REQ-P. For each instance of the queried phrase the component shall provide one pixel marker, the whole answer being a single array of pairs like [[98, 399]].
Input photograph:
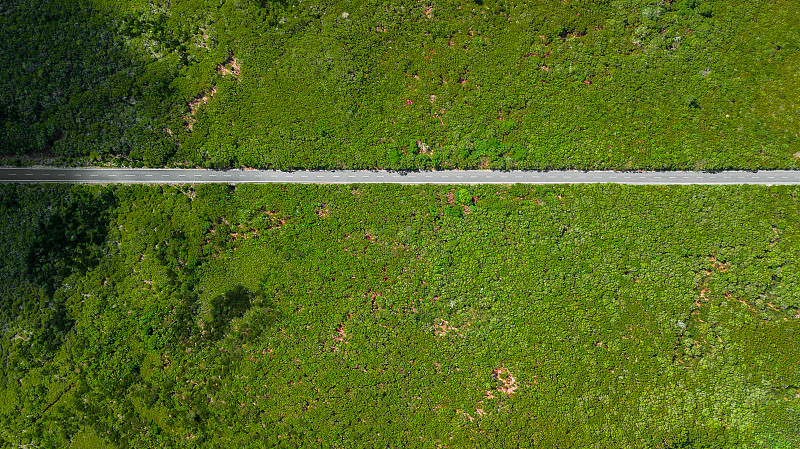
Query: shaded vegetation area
[[57, 231], [619, 84], [75, 84], [428, 316]]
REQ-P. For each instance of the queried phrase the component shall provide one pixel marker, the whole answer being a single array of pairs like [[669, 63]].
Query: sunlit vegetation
[[389, 316], [401, 84]]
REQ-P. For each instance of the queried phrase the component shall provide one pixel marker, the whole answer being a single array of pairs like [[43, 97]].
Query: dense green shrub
[[402, 84], [377, 315]]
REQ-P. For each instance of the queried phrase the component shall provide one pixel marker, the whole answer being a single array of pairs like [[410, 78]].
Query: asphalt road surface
[[187, 176]]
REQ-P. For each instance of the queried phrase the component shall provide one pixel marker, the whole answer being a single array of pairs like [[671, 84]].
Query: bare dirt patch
[[194, 105], [235, 233], [716, 267], [203, 39], [503, 375], [423, 147], [444, 327], [230, 67], [275, 222], [374, 296], [719, 266], [340, 334], [466, 415]]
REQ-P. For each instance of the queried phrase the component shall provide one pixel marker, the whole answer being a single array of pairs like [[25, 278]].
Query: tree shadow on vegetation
[[70, 226], [71, 239], [235, 303], [72, 86]]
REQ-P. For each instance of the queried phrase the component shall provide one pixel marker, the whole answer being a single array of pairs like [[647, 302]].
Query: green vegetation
[[378, 316], [400, 84]]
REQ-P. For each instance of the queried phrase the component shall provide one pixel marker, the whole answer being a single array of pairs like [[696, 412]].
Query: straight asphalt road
[[200, 176]]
